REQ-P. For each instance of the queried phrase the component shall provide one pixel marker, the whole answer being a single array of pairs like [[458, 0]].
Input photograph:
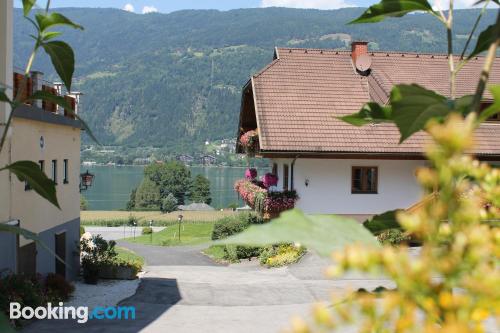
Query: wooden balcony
[[34, 83]]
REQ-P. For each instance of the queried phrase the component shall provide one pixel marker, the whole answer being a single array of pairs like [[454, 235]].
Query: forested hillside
[[171, 80]]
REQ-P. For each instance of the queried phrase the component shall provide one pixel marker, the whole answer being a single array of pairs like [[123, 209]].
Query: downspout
[[292, 167]]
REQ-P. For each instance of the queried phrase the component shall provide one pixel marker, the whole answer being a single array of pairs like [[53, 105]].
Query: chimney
[[37, 78], [358, 49]]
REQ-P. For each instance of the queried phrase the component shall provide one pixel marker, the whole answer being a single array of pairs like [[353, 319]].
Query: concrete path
[[170, 256], [114, 233]]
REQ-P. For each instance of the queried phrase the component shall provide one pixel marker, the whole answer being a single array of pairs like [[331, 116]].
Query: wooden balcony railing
[[34, 83]]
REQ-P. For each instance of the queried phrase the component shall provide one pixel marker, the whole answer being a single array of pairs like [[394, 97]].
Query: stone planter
[[117, 273]]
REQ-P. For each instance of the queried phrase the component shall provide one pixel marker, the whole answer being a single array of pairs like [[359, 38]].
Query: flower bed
[[267, 203]]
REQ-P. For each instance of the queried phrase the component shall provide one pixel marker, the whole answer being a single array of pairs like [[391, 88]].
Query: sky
[[167, 6]]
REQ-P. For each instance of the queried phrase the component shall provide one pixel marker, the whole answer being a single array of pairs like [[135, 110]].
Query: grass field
[[116, 218], [129, 255], [191, 233]]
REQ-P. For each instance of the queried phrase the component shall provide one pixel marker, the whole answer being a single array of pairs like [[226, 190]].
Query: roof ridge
[[372, 52]]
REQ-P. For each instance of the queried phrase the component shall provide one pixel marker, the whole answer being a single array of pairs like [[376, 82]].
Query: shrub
[[232, 225], [147, 231], [168, 204], [94, 253], [380, 223], [281, 255], [33, 291], [228, 226], [84, 204], [82, 231], [57, 288], [132, 220], [393, 237]]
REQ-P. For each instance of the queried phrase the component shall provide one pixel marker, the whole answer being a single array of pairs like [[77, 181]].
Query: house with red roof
[[293, 105]]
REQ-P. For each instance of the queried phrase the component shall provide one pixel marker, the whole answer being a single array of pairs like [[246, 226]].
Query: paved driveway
[[184, 291]]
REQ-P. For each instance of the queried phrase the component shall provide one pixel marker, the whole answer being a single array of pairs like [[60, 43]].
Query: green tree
[[171, 177], [84, 204], [148, 195], [131, 200], [169, 204], [200, 190]]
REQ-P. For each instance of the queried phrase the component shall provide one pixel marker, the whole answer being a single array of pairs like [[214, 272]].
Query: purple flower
[[269, 180], [251, 174]]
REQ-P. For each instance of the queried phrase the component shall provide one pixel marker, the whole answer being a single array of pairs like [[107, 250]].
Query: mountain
[[174, 80]]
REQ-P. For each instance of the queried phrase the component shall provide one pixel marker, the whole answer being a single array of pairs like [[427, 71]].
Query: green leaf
[[493, 108], [48, 35], [394, 8], [46, 96], [46, 21], [63, 59], [413, 106], [381, 222], [370, 113], [486, 38], [87, 129], [3, 96], [14, 229], [322, 233], [30, 172], [27, 5]]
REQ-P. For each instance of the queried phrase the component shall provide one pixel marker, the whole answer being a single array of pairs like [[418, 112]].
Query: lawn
[[216, 252], [117, 218], [128, 255], [191, 233]]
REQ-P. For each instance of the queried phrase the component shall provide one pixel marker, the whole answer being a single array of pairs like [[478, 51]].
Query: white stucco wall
[[60, 142], [5, 79], [329, 189]]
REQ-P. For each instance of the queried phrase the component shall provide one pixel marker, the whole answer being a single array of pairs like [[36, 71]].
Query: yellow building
[[49, 136]]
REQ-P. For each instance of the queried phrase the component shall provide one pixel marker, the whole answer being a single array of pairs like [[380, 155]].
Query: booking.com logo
[[80, 313]]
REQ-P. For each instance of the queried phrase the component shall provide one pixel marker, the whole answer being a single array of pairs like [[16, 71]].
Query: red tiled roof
[[299, 95]]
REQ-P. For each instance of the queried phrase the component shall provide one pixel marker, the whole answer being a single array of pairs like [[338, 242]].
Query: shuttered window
[[364, 180]]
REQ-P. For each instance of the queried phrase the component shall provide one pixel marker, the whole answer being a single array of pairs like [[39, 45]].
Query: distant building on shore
[[185, 158]]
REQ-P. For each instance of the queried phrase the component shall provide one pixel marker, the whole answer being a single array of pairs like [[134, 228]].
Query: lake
[[113, 184]]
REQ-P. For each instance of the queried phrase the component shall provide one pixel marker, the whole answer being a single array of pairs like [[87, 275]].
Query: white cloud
[[129, 8], [149, 9], [318, 4]]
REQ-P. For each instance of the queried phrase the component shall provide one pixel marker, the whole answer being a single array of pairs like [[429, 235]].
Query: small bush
[[231, 225], [132, 220], [147, 231], [82, 231], [95, 253], [228, 226], [281, 255], [33, 291], [234, 253], [57, 288], [382, 222], [393, 237]]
